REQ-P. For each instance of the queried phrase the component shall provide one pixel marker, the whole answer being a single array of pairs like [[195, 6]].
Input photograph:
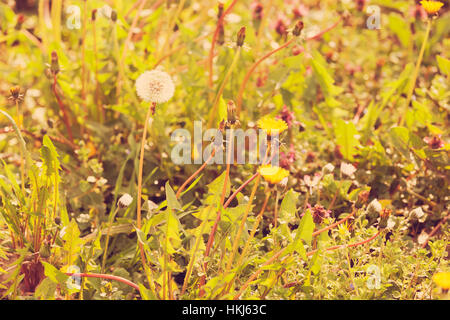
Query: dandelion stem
[[108, 233], [213, 111], [267, 55], [105, 276], [62, 108], [141, 167], [222, 199], [280, 252], [213, 42], [412, 84], [196, 173]]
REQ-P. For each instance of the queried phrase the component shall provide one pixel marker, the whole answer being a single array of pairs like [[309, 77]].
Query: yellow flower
[[272, 126], [442, 279], [431, 7], [273, 174]]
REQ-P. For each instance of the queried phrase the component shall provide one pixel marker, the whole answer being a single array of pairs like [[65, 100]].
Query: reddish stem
[[195, 173], [279, 253], [105, 276], [214, 39], [63, 109], [252, 69]]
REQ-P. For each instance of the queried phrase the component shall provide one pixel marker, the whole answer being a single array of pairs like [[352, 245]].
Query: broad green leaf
[[288, 206], [54, 274], [346, 138], [172, 201], [46, 289], [444, 65], [306, 227], [215, 190], [72, 241], [400, 27]]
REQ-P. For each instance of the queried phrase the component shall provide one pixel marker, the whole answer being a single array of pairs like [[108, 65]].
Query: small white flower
[[125, 200], [91, 179], [374, 206], [347, 169], [328, 168], [155, 86]]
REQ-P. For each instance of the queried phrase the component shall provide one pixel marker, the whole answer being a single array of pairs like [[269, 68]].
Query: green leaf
[[346, 138], [172, 201], [325, 80], [400, 27], [223, 113], [444, 65], [215, 190], [173, 240], [146, 294], [46, 289], [54, 274], [72, 241], [306, 227], [288, 206]]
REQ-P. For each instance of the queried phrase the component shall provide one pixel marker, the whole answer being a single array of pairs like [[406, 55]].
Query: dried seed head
[[155, 86], [94, 14], [54, 66], [240, 37], [231, 112], [298, 28], [15, 92], [125, 201], [114, 15]]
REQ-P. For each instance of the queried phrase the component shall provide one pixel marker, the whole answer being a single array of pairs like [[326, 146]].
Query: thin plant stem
[[108, 234], [219, 210], [244, 218], [267, 55], [416, 73], [280, 252], [141, 167], [105, 276], [213, 112], [83, 62], [121, 56], [196, 173], [100, 109], [214, 40], [22, 169], [62, 108], [254, 229]]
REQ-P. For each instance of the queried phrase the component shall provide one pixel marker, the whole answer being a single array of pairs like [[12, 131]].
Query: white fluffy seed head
[[125, 200], [155, 86], [347, 169]]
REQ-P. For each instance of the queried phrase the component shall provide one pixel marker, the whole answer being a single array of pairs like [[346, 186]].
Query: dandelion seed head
[[125, 200], [347, 169], [155, 86]]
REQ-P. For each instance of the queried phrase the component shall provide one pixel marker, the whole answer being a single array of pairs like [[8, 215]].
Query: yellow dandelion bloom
[[442, 279], [431, 7], [273, 174], [272, 126]]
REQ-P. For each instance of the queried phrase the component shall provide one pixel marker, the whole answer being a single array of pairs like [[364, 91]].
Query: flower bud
[[114, 15], [298, 28], [231, 112], [94, 14], [54, 66], [240, 37]]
